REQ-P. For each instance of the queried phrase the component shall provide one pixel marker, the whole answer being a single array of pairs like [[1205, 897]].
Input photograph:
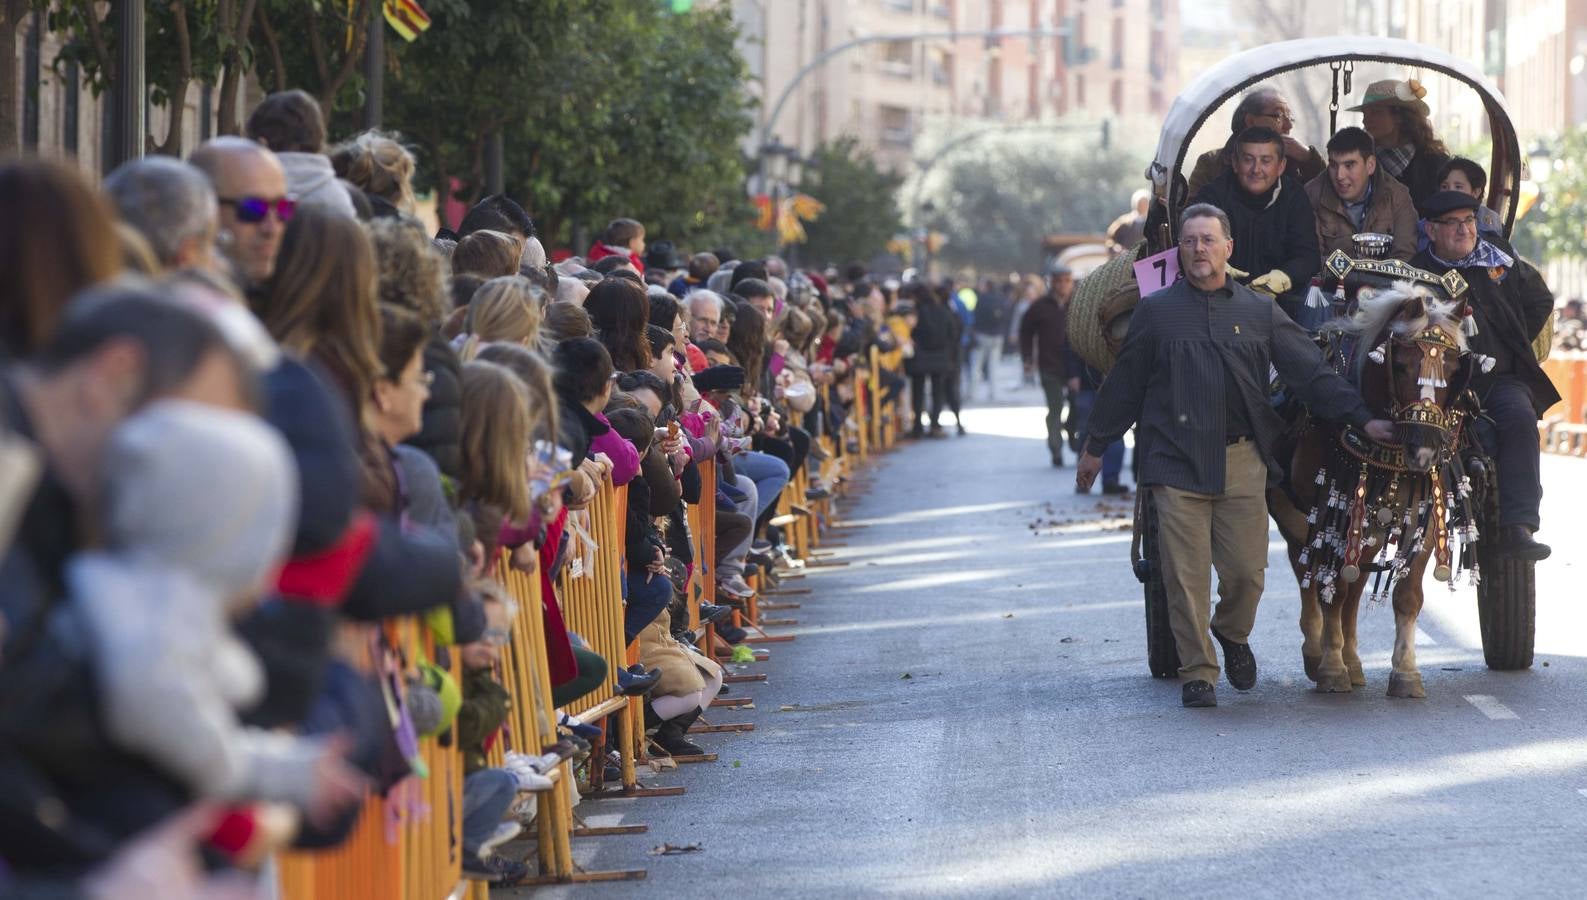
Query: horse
[[1353, 509]]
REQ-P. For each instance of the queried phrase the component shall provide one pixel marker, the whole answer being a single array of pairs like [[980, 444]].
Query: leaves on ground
[[676, 849]]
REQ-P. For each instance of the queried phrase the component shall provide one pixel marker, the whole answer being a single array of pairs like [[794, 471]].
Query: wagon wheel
[[1162, 656], [1506, 593]]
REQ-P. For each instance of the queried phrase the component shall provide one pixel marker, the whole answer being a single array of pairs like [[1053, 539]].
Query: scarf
[[1485, 255], [1396, 159]]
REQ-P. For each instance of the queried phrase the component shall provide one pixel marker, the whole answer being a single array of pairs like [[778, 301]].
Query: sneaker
[[732, 634], [735, 587], [587, 732], [504, 832], [1198, 694], [494, 870], [1239, 663]]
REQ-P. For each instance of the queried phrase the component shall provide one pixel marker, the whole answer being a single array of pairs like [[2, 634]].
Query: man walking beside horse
[[1194, 373]]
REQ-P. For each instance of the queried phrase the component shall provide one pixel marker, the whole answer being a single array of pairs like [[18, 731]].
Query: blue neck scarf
[[1485, 255]]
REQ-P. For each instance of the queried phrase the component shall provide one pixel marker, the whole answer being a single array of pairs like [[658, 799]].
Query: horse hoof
[[1313, 665], [1333, 683], [1358, 678], [1406, 686]]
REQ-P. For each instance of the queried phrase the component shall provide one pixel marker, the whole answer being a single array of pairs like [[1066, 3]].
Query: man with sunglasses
[[1510, 304], [251, 187], [1260, 107]]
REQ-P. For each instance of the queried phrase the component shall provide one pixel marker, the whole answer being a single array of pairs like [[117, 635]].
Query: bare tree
[[1287, 20]]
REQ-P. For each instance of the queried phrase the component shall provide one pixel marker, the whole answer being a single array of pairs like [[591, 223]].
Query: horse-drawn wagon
[[1362, 519]]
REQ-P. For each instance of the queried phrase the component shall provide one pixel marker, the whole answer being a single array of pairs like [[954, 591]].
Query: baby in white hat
[[200, 505]]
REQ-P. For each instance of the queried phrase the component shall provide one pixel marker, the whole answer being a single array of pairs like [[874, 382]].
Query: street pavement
[[967, 712]]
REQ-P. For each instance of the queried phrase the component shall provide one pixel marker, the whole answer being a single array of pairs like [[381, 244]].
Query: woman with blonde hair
[[378, 164], [495, 440], [488, 254], [504, 310]]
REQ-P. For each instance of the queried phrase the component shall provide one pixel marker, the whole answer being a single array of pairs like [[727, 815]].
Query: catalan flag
[[405, 17]]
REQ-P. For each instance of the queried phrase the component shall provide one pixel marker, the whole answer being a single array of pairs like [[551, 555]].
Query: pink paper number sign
[[1157, 271]]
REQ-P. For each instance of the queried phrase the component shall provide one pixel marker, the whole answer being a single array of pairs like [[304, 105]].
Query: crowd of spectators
[[251, 409]]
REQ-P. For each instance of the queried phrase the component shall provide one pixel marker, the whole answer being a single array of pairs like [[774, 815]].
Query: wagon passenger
[[1275, 231], [1261, 107], [1510, 304], [1356, 195], [1194, 372]]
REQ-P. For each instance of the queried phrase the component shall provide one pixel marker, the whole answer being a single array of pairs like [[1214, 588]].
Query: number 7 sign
[[1157, 271]]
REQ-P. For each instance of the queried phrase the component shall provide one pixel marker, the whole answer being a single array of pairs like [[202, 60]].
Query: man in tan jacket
[[1355, 196]]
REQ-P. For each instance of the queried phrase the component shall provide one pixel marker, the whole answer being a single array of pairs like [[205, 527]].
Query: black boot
[[672, 736]]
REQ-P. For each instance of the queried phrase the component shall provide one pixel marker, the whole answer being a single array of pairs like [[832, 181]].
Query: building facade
[[1096, 59]]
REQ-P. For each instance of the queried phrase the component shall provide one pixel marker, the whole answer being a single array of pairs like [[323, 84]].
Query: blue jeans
[[487, 795], [769, 473], [1112, 458], [1512, 439]]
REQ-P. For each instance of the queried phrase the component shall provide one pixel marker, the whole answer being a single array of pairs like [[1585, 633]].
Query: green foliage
[[637, 112], [1557, 227], [861, 200], [317, 45], [1001, 196]]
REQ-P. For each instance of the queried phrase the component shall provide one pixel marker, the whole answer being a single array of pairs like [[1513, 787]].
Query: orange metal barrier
[[1564, 425], [406, 846]]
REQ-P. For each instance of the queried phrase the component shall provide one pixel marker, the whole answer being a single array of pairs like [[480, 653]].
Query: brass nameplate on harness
[[1371, 452], [1340, 265]]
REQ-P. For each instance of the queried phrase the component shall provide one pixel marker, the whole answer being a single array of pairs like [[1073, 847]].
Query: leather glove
[[1274, 283]]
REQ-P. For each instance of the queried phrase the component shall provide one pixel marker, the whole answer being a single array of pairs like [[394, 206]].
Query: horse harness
[[1373, 512]]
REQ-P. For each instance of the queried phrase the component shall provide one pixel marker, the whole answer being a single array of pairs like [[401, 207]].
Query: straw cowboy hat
[[1407, 94]]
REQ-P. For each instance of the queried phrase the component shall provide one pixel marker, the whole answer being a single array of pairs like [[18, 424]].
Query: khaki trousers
[[1226, 532]]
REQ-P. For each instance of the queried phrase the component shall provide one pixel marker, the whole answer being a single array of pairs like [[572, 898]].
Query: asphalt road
[[967, 712]]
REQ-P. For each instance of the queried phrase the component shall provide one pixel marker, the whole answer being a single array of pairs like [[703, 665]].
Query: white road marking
[[1491, 707], [1423, 639]]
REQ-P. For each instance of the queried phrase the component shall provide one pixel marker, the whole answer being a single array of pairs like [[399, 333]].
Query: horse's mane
[[1375, 318]]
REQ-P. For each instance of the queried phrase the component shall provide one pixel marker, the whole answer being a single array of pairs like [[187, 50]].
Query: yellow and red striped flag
[[405, 17]]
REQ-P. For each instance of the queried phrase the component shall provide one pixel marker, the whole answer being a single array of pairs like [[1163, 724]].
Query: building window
[[898, 58], [1118, 44], [897, 125], [1080, 91], [1117, 97], [31, 51], [899, 5], [71, 100]]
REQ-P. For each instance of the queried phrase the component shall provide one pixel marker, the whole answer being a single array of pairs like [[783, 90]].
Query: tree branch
[[350, 61], [277, 64], [96, 40], [317, 49]]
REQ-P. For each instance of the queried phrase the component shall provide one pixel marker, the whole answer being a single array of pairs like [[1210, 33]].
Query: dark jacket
[[1270, 232], [935, 336], [1510, 312], [1044, 338], [1421, 175], [1170, 377], [991, 314], [442, 431], [576, 428]]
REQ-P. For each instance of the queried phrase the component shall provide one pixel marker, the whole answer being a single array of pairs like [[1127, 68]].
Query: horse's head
[[1415, 369]]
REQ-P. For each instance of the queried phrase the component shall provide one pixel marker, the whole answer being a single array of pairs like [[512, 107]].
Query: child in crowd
[[199, 508]]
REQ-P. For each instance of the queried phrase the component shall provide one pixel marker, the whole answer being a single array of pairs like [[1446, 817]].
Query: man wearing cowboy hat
[[1394, 113], [1509, 304]]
